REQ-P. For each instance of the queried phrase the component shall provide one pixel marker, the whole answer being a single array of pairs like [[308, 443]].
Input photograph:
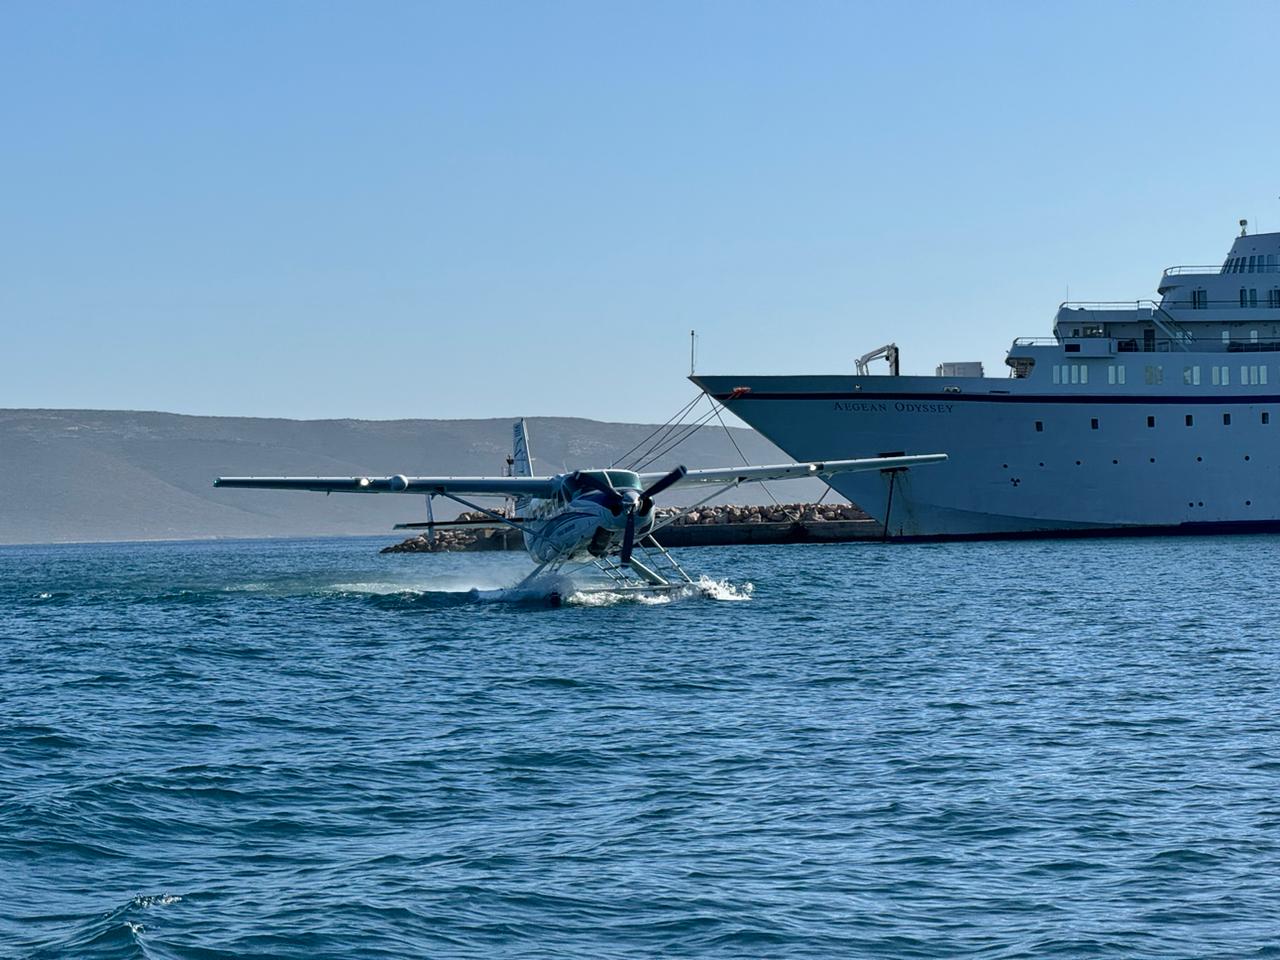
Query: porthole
[[1077, 463], [1042, 463], [1246, 456], [1151, 459], [1200, 504], [1115, 461], [1199, 459], [1248, 503]]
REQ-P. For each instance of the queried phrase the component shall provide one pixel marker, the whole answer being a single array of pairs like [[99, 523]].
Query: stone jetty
[[705, 526]]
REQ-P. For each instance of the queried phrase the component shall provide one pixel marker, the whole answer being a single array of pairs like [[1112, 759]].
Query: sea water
[[307, 749]]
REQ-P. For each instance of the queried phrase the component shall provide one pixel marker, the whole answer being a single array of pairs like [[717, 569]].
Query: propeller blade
[[614, 499], [675, 476], [628, 538]]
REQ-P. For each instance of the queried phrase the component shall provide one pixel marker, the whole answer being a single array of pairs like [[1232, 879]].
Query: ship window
[[1253, 297], [1093, 424], [1244, 296], [1199, 299], [1226, 419], [1251, 259], [1191, 376], [1075, 373], [1040, 425], [1271, 263], [1266, 417], [1273, 297], [1155, 374], [1057, 373], [1151, 421], [1190, 421], [1253, 336], [1253, 375], [1226, 334], [1221, 376]]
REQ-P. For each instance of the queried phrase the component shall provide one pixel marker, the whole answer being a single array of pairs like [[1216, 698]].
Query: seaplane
[[599, 518]]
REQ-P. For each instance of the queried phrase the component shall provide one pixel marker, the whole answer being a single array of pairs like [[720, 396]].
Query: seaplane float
[[575, 521]]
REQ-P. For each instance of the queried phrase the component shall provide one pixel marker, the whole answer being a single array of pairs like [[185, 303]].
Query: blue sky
[[426, 210]]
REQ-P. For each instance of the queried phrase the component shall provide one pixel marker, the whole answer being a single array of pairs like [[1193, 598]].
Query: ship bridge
[[1233, 307]]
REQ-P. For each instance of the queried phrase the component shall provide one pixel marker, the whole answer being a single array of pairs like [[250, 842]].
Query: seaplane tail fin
[[521, 459]]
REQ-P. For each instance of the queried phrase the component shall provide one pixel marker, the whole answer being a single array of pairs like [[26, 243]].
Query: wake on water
[[497, 586]]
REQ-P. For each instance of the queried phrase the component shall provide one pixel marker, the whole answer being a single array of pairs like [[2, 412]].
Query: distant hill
[[124, 475]]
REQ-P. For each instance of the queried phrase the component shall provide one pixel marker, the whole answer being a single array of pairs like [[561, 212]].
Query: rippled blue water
[[306, 749]]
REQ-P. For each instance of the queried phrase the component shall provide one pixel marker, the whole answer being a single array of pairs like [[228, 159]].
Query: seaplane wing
[[785, 471], [478, 486]]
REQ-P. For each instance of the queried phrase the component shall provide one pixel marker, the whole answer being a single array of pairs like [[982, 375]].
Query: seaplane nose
[[630, 501]]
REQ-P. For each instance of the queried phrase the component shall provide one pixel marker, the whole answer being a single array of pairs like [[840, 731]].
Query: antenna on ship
[[1244, 228], [693, 347]]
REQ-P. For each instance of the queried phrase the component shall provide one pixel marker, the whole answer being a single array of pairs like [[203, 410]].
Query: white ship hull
[[1099, 462]]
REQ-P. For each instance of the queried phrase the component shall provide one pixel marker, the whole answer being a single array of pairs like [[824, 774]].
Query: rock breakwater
[[778, 523]]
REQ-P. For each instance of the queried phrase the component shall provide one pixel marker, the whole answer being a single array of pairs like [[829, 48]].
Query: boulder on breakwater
[[704, 526]]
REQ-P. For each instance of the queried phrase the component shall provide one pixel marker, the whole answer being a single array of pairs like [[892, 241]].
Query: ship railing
[[1216, 268], [1164, 344]]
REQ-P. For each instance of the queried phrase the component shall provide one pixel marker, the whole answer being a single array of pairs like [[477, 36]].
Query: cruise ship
[[1150, 416]]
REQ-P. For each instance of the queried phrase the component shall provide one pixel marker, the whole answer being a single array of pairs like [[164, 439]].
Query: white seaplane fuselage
[[579, 522]]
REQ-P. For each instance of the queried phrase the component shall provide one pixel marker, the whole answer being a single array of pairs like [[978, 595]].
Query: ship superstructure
[[1145, 416]]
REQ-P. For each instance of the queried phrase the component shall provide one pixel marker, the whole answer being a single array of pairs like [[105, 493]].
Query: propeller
[[643, 504]]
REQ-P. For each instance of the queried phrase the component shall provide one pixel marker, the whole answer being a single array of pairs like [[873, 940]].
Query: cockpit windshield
[[582, 481]]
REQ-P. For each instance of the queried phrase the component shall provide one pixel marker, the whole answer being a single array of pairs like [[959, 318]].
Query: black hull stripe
[[1210, 528], [1092, 398]]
